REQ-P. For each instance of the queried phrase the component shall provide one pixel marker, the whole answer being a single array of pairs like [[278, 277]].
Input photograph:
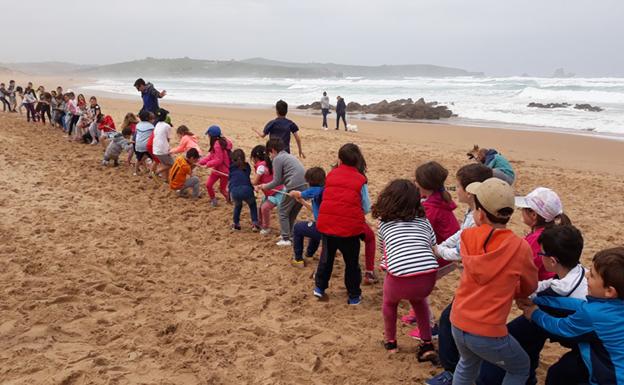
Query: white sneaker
[[265, 231], [284, 243]]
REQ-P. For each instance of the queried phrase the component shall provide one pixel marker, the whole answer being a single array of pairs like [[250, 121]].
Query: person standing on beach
[[150, 95], [341, 112], [281, 127], [325, 108], [3, 93]]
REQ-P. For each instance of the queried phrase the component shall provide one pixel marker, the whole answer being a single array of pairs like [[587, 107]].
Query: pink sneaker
[[415, 333], [409, 319]]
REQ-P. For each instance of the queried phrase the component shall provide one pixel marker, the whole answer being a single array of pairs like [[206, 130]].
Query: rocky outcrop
[[587, 107], [548, 105], [584, 107], [401, 109]]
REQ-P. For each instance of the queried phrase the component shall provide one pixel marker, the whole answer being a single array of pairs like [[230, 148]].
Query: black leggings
[[5, 104], [43, 110], [350, 249], [72, 123], [30, 112]]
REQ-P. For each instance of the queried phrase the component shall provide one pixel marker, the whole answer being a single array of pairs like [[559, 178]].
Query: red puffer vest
[[341, 212]]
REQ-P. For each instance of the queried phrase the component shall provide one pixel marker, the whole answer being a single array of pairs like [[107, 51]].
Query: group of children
[[420, 241]]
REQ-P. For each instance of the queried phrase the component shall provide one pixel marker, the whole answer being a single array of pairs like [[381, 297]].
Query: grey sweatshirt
[[287, 171], [325, 102], [116, 146]]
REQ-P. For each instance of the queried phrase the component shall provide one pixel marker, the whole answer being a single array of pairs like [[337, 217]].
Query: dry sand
[[107, 278]]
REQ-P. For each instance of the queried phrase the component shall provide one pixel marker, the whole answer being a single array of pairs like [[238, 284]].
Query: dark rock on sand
[[587, 107]]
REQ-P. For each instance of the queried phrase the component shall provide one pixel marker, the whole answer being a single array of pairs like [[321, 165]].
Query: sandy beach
[[108, 278]]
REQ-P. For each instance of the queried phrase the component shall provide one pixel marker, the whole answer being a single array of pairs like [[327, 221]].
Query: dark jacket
[[341, 107]]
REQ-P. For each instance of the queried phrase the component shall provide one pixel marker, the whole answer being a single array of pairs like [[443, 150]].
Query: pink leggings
[[369, 248], [223, 184], [415, 289], [265, 214]]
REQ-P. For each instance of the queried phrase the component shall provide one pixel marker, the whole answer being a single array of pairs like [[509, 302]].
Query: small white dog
[[352, 128]]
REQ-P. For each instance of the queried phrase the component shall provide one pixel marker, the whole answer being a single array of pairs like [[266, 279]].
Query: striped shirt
[[407, 247]]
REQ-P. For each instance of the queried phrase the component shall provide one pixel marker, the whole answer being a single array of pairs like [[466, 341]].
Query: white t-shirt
[[162, 134]]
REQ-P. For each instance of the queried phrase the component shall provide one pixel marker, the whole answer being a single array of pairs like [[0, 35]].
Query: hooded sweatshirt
[[218, 158], [498, 267], [186, 143], [150, 96], [116, 146], [440, 215]]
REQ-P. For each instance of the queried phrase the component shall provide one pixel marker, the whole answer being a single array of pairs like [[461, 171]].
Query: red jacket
[[341, 212], [440, 215]]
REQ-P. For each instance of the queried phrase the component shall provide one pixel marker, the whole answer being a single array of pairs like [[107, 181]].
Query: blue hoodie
[[598, 327]]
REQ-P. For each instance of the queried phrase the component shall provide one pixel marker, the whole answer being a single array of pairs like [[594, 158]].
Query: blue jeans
[[245, 194], [325, 112], [301, 231], [504, 352]]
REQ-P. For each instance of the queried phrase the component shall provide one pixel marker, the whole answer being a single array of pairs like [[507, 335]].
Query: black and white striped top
[[407, 247]]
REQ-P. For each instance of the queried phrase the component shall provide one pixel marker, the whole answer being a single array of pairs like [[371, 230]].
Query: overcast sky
[[499, 37]]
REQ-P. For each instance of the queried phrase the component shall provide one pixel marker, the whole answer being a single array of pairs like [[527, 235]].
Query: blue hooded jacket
[[598, 327], [494, 160]]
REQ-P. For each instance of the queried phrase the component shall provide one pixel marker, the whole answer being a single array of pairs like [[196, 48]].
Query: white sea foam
[[501, 99]]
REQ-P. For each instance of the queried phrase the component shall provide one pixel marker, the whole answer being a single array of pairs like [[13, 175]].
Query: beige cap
[[494, 195]]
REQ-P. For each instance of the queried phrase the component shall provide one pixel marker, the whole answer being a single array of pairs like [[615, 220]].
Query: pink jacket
[[186, 143], [440, 214], [536, 248], [218, 158]]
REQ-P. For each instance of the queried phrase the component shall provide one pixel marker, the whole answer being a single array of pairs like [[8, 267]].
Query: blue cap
[[214, 131]]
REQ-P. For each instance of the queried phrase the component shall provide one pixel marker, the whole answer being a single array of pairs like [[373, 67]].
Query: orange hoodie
[[492, 278]]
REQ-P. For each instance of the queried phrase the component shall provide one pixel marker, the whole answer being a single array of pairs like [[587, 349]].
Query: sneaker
[[415, 333], [265, 231], [444, 378], [104, 163], [297, 263], [319, 293], [284, 243], [370, 278], [255, 228], [355, 300], [213, 202], [236, 227], [181, 193], [391, 346], [426, 352]]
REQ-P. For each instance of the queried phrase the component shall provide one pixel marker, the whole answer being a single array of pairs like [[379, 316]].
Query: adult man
[[150, 95], [325, 108], [341, 112]]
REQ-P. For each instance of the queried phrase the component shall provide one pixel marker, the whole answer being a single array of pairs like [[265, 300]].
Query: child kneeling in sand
[[181, 174], [119, 142], [407, 240]]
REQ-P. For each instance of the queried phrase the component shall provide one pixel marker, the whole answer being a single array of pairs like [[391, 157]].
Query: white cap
[[544, 201]]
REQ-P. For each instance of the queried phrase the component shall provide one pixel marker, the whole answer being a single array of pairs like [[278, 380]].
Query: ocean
[[496, 101]]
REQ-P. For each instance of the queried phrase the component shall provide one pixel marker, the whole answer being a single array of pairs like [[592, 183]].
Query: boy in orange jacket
[[498, 268]]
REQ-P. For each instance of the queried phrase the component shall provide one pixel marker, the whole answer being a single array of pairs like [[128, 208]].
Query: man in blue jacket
[[150, 95], [597, 325]]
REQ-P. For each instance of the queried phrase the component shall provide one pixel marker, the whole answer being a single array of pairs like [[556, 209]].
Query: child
[[144, 130], [281, 127], [162, 136], [597, 325], [541, 208], [315, 177], [289, 172], [29, 101], [218, 158], [73, 114], [188, 140], [498, 267], [438, 204], [439, 207], [43, 107], [449, 251], [264, 174], [3, 94], [241, 189], [341, 221], [12, 96], [497, 162], [119, 143], [181, 174], [407, 241], [561, 247], [130, 120]]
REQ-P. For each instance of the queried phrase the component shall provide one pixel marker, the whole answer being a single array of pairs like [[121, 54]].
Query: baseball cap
[[494, 195], [214, 131], [544, 201]]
